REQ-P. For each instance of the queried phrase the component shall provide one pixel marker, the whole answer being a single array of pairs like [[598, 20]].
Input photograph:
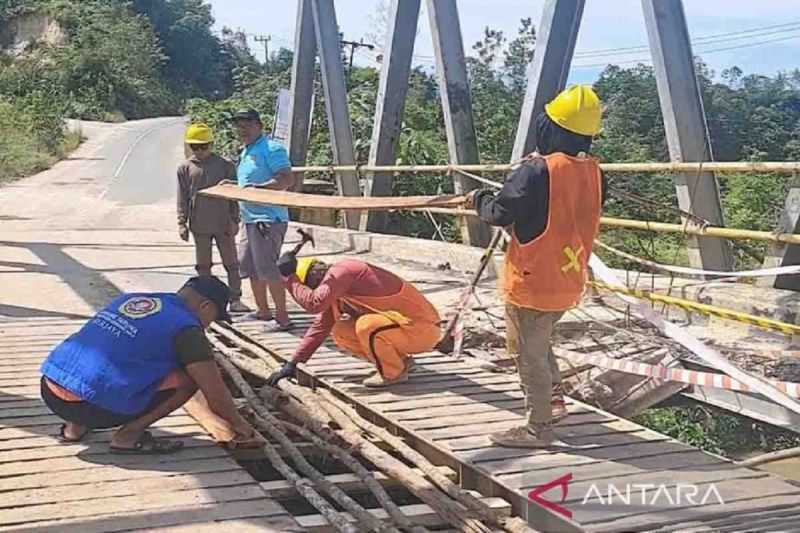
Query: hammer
[[304, 238]]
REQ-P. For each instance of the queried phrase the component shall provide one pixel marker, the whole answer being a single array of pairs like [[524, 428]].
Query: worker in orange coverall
[[371, 313]]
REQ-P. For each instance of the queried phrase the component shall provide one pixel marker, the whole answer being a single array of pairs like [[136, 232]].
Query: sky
[[758, 36]]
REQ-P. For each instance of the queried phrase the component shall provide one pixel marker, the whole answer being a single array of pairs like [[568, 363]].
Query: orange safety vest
[[549, 273]]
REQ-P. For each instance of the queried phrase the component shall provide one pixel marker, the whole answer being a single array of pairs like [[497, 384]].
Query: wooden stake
[[269, 424]]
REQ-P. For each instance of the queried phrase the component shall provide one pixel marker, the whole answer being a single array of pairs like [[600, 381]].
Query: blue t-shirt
[[258, 164]]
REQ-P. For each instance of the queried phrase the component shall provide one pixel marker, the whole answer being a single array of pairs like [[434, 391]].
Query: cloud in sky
[[606, 24]]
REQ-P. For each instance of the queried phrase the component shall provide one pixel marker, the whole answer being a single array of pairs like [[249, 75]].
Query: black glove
[[288, 370], [287, 264]]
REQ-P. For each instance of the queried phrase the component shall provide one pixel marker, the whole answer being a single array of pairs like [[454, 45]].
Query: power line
[[647, 60], [696, 41]]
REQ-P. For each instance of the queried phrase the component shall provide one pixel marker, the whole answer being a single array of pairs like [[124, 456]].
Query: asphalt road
[[100, 222]]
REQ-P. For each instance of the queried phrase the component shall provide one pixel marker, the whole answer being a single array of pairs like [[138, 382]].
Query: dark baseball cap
[[247, 114], [214, 289]]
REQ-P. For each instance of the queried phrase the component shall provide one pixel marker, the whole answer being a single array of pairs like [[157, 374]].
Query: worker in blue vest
[[139, 359]]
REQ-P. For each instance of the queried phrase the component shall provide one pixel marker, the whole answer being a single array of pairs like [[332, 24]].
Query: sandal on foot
[[254, 316], [62, 437], [148, 445], [277, 326]]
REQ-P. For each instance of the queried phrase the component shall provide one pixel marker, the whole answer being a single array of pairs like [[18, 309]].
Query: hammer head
[[306, 237]]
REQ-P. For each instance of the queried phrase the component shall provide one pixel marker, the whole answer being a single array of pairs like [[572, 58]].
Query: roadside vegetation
[[107, 60]]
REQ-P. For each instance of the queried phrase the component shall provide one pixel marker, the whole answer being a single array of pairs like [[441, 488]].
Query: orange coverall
[[371, 313]]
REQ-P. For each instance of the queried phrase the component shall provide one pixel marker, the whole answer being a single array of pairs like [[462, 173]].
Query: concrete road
[[97, 223]]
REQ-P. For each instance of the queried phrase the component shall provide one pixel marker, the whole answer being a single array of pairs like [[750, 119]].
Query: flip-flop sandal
[[277, 326], [62, 437], [254, 316], [148, 445]]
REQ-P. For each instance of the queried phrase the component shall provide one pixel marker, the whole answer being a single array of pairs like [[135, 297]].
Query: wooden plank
[[420, 514], [275, 524], [458, 421], [195, 439], [533, 460], [151, 518], [762, 494], [472, 408], [50, 427], [127, 487], [394, 405], [591, 470], [349, 483], [107, 473], [487, 451], [61, 464], [124, 505], [598, 426]]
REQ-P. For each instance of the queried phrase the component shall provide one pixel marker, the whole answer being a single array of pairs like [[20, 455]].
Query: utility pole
[[264, 39], [353, 46]]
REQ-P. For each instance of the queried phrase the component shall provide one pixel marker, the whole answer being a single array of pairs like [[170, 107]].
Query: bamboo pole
[[271, 425], [443, 482], [421, 487], [661, 227], [788, 167]]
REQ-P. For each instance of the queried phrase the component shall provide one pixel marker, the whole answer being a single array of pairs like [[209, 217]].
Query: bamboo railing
[[721, 167]]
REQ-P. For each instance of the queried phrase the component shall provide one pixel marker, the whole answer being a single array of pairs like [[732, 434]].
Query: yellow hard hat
[[304, 264], [199, 134], [577, 109]]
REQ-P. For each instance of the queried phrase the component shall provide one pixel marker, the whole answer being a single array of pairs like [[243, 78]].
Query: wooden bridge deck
[[49, 486], [450, 406]]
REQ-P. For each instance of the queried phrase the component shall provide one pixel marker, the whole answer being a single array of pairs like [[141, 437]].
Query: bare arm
[[208, 379], [282, 180]]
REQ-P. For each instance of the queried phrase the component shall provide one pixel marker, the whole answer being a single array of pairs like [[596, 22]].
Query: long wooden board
[[319, 201]]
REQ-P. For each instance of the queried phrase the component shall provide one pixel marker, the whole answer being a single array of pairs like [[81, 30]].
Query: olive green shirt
[[192, 346], [204, 215]]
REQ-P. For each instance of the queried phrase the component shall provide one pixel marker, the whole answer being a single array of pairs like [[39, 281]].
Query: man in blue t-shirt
[[264, 164]]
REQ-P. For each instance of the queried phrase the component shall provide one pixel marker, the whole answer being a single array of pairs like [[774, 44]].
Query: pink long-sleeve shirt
[[349, 277]]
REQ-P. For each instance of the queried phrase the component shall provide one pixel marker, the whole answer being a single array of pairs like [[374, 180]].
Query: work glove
[[287, 264], [183, 231], [288, 370]]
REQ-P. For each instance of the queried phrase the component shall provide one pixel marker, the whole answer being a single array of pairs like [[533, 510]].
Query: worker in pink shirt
[[371, 313]]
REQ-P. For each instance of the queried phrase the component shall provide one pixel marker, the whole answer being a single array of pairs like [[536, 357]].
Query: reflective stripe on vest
[[549, 273]]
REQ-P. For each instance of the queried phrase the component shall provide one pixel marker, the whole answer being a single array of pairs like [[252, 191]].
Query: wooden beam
[[392, 90], [451, 69], [302, 88], [685, 125], [547, 74], [333, 83]]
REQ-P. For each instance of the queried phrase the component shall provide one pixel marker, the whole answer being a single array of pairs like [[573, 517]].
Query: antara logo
[[563, 482], [639, 494]]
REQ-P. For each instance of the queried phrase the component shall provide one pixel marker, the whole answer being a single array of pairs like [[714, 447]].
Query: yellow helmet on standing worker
[[304, 264], [199, 134], [577, 109]]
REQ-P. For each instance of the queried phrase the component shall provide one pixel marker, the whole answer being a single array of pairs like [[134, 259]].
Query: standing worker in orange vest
[[551, 206], [370, 312]]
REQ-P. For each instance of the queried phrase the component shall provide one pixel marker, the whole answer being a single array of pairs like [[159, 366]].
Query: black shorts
[[94, 417]]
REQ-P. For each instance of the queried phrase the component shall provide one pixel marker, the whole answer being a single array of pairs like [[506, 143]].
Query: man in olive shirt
[[209, 219]]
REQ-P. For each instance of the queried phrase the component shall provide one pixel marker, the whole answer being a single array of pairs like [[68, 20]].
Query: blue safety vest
[[120, 357]]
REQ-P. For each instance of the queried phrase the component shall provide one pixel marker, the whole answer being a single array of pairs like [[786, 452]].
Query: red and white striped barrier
[[681, 375]]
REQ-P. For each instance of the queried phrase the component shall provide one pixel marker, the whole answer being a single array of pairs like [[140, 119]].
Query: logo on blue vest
[[140, 307]]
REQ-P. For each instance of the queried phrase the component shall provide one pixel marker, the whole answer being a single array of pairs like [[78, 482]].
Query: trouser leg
[[202, 252], [226, 244], [536, 362]]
